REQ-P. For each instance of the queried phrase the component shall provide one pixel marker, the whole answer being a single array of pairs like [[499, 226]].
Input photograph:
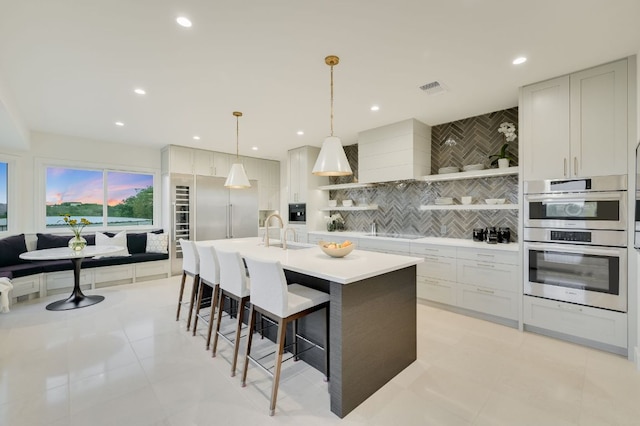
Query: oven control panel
[[574, 236]]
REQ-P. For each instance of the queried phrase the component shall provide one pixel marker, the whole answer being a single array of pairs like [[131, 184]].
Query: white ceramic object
[[495, 200], [466, 200], [444, 201], [451, 169], [333, 203], [347, 203], [503, 163], [471, 167]]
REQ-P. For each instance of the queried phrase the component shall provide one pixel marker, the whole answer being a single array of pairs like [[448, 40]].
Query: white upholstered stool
[[273, 298], [190, 267], [209, 276]]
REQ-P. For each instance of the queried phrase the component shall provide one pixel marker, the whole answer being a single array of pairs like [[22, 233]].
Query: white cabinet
[[222, 163], [598, 325], [180, 159], [269, 184], [203, 162], [436, 276], [576, 125], [298, 172]]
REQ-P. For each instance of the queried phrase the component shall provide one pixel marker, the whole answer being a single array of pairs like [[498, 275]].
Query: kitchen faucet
[[284, 236], [266, 230]]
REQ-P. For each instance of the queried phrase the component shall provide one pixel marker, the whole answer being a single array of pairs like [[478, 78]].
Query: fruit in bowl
[[337, 249]]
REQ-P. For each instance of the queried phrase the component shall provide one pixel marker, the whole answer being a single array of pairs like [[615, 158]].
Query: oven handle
[[570, 248], [600, 196]]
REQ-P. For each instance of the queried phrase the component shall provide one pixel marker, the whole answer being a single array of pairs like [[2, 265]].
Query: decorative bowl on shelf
[[495, 200], [333, 203], [451, 169], [337, 249], [347, 203], [444, 201], [471, 167]]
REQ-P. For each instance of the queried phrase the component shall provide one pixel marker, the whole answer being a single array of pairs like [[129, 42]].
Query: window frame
[[41, 193], [12, 199]]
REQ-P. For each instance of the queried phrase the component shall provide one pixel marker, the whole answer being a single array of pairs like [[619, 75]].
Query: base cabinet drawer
[[114, 273], [494, 256], [150, 269], [64, 279], [443, 268], [489, 301], [488, 274], [25, 285], [436, 290], [589, 323]]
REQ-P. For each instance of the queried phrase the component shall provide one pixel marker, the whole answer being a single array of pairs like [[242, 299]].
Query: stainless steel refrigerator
[[203, 209]]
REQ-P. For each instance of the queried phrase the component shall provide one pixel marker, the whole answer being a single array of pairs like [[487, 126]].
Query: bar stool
[[272, 297], [234, 284], [209, 276], [191, 267]]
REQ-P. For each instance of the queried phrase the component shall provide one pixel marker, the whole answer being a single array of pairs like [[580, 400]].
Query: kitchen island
[[372, 324]]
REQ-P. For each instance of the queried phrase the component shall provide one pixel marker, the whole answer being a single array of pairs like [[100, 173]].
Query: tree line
[[139, 205]]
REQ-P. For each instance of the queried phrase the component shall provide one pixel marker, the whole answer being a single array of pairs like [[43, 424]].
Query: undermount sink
[[406, 237], [290, 246]]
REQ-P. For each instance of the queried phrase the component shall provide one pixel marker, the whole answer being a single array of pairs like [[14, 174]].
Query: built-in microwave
[[297, 213]]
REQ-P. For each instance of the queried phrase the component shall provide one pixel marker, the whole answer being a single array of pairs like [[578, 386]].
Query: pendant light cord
[[237, 139], [331, 100]]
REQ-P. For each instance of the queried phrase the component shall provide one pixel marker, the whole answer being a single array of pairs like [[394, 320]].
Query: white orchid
[[508, 130]]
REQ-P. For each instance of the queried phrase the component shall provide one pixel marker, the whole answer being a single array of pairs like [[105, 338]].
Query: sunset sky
[[86, 186], [3, 183]]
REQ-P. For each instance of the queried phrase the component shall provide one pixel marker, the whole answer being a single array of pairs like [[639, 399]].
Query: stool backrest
[[190, 260], [268, 286], [209, 267], [233, 275]]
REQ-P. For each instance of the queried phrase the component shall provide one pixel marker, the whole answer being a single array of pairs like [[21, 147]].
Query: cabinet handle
[[565, 166], [481, 290], [486, 255], [485, 265], [569, 308], [575, 165]]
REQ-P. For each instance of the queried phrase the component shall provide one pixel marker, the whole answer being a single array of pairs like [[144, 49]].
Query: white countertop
[[312, 261], [452, 242]]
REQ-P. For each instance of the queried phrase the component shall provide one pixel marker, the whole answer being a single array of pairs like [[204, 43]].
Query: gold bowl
[[336, 252]]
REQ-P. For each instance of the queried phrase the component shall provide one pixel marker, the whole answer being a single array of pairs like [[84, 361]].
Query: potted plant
[[502, 159]]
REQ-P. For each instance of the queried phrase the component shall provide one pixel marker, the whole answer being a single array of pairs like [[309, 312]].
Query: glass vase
[[77, 243]]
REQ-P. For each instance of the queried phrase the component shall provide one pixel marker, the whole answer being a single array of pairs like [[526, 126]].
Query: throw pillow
[[120, 239], [157, 243], [10, 250]]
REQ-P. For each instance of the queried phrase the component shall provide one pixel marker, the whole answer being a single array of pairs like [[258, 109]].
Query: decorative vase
[[77, 243], [503, 163]]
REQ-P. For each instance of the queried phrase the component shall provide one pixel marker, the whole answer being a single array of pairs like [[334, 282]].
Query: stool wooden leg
[[184, 278], [295, 340], [198, 303], [236, 345], [194, 290], [218, 321], [212, 316], [282, 332], [252, 318]]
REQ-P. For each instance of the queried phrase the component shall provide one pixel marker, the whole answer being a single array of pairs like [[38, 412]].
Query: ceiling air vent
[[433, 88]]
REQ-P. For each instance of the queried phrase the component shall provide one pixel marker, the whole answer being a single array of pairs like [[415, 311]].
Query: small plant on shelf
[[509, 132]]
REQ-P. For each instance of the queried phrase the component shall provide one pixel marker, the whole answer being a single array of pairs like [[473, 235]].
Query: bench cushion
[[10, 250], [46, 241], [123, 260], [23, 269]]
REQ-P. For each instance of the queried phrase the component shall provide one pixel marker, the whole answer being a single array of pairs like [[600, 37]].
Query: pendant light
[[237, 178], [332, 161]]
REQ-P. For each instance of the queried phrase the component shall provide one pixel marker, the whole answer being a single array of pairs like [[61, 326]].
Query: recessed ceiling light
[[519, 60], [183, 21], [375, 108], [140, 91], [119, 123], [300, 133], [255, 148], [196, 138]]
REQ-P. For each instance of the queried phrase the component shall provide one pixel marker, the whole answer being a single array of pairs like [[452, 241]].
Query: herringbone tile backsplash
[[399, 202]]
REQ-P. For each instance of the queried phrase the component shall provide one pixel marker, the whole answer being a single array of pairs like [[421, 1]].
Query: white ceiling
[[71, 66]]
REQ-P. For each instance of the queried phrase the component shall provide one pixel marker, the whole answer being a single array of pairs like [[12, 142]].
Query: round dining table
[[77, 299]]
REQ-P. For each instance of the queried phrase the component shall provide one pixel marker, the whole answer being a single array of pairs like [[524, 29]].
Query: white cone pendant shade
[[332, 161], [237, 178]]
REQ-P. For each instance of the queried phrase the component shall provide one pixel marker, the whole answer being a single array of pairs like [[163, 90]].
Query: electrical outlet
[[443, 229]]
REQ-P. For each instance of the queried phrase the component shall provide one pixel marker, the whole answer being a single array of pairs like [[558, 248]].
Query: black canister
[[478, 234], [504, 235], [492, 235]]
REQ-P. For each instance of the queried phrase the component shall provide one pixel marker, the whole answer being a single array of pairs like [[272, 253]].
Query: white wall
[[634, 257], [13, 131], [45, 147]]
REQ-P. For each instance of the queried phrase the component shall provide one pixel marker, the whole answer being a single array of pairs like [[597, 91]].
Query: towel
[[5, 288]]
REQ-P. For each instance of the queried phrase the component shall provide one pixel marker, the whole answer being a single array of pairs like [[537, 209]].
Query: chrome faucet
[[284, 236], [266, 228]]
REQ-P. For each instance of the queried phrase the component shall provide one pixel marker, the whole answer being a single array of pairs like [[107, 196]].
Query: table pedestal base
[[74, 302]]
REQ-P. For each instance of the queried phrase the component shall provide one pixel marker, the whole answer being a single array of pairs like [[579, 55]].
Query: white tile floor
[[126, 361]]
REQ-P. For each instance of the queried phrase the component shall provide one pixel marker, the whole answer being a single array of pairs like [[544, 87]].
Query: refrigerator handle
[[173, 222], [230, 220]]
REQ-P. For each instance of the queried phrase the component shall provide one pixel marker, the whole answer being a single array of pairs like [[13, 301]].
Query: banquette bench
[[41, 278]]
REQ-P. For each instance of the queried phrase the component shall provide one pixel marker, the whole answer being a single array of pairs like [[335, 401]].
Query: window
[[104, 197], [4, 188]]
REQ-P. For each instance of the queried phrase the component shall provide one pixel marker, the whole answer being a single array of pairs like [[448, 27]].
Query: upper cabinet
[[576, 125], [301, 180], [398, 151]]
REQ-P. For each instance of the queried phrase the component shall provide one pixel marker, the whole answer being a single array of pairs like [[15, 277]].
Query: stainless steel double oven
[[575, 241]]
